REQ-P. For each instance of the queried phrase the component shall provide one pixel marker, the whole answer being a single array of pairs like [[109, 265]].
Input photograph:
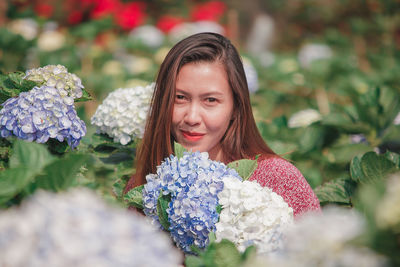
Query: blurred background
[[323, 75]]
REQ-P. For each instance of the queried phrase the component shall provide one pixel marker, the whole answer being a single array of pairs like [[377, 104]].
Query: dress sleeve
[[287, 181]]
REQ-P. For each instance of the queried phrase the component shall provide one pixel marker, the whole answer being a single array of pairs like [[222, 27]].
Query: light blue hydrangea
[[193, 182], [77, 228], [40, 114]]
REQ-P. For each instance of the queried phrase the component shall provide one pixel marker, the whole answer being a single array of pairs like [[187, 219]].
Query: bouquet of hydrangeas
[[46, 110], [192, 196], [122, 115]]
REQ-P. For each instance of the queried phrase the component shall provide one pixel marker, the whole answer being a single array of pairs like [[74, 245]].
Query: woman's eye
[[211, 99], [180, 97]]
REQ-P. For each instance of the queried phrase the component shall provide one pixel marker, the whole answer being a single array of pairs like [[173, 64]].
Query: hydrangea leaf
[[61, 174], [194, 261], [85, 96], [119, 186], [394, 157], [249, 253], [371, 167], [162, 205], [336, 191], [225, 254], [135, 197], [244, 167], [12, 181], [179, 150], [31, 155]]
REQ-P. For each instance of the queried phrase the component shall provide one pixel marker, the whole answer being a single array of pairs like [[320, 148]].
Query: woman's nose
[[192, 116]]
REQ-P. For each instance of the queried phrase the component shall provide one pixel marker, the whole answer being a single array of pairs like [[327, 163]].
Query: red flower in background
[[104, 8], [167, 22], [130, 15], [44, 10], [212, 10]]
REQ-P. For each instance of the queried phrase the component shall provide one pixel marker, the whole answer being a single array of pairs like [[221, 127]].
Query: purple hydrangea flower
[[193, 182], [40, 114]]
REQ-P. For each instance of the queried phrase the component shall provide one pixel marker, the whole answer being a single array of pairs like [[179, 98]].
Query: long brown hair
[[242, 138]]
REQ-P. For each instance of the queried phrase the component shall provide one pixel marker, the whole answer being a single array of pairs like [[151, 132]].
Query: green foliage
[[162, 205], [12, 84], [244, 167], [179, 150], [134, 197], [221, 254], [33, 167]]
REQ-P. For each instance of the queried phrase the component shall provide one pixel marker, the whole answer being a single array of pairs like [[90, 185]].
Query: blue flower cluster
[[40, 114], [193, 182]]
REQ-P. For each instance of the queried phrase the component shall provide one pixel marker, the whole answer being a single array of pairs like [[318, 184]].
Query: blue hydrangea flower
[[193, 182], [40, 114], [77, 228]]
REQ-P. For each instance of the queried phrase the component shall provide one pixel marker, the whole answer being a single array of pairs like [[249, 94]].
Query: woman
[[201, 101]]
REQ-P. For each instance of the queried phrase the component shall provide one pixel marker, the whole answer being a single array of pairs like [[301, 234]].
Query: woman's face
[[203, 107]]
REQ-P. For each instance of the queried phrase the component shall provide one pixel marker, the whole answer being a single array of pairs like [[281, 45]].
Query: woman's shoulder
[[286, 180]]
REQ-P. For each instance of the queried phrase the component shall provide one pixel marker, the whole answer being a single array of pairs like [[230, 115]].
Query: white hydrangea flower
[[28, 28], [148, 35], [388, 210], [51, 40], [123, 113], [252, 215], [251, 75], [57, 76], [304, 118], [322, 239], [396, 120], [78, 229], [311, 52]]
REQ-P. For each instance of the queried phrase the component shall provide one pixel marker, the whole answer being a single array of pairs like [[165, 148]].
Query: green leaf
[[162, 205], [119, 186], [336, 191], [344, 154], [194, 261], [375, 167], [12, 181], [218, 208], [226, 254], [249, 253], [30, 155], [134, 197], [61, 174], [85, 96], [355, 169], [179, 149], [393, 157], [244, 167]]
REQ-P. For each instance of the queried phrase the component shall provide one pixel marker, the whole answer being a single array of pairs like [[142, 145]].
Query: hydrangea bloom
[[40, 114], [312, 52], [304, 118], [122, 115], [193, 183], [322, 239], [78, 229], [388, 211], [148, 35], [251, 75], [252, 215], [57, 76]]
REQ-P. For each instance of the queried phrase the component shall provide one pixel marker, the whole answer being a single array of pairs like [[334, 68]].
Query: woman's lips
[[192, 136]]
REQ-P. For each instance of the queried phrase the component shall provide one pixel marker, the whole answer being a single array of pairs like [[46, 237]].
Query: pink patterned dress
[[287, 181]]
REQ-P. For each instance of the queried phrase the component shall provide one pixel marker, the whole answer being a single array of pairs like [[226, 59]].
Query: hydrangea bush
[[122, 115], [77, 228], [192, 196], [40, 114]]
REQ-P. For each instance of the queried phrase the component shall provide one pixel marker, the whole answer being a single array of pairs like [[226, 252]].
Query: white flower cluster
[[304, 118], [68, 84], [251, 75], [388, 211], [149, 35], [78, 229], [123, 113], [322, 239], [252, 215], [312, 52]]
